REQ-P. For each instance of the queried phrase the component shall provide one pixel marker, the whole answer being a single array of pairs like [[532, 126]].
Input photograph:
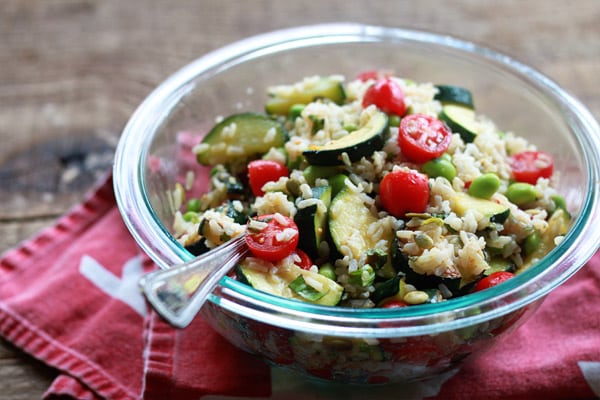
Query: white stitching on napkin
[[591, 373], [124, 289]]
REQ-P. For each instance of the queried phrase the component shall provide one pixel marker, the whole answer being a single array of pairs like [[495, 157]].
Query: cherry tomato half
[[305, 261], [403, 191], [387, 95], [394, 303], [493, 279], [276, 240], [263, 171], [529, 166], [422, 137]]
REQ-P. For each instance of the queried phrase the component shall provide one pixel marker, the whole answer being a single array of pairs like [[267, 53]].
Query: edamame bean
[[532, 243], [394, 120], [193, 205], [327, 271], [312, 172], [560, 203], [441, 166], [295, 111], [337, 183], [521, 193], [191, 216], [484, 186]]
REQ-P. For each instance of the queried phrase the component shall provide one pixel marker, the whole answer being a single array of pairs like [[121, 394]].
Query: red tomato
[[277, 240], [263, 171], [305, 261], [403, 191], [387, 95], [492, 280], [366, 75], [422, 137], [371, 74], [529, 166], [394, 303]]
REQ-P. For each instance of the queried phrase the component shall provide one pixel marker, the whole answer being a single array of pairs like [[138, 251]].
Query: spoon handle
[[178, 293]]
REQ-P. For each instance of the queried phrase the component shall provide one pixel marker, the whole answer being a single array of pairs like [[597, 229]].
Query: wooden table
[[72, 71]]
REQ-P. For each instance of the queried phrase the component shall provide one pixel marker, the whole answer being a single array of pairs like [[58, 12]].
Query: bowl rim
[[527, 287]]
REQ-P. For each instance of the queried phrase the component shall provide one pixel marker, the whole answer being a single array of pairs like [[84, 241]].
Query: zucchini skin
[[356, 145], [312, 222], [454, 94], [249, 137], [460, 119]]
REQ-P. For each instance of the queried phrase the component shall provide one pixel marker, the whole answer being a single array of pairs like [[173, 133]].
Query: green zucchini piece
[[293, 282], [252, 135], [312, 222], [498, 264], [349, 221], [462, 202], [283, 98], [454, 94], [386, 289], [361, 143], [461, 120]]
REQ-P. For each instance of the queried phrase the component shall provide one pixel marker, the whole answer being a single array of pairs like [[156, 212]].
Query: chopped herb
[[300, 287]]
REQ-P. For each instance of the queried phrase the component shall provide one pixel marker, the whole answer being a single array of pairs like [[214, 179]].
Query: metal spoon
[[178, 293]]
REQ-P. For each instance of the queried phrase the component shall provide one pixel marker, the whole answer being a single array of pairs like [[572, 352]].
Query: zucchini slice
[[284, 97], [462, 202], [240, 137], [454, 94], [357, 144], [293, 282], [312, 222], [460, 119], [349, 221]]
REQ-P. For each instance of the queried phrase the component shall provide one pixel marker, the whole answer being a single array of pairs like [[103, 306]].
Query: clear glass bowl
[[349, 345]]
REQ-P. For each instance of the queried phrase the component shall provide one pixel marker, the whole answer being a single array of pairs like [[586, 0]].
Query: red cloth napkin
[[69, 297]]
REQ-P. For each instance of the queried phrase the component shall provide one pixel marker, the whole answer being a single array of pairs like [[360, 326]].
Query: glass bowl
[[343, 344]]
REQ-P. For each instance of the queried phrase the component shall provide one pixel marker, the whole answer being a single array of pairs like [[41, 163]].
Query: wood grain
[[73, 71]]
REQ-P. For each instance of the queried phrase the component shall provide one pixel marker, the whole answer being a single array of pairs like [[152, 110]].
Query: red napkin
[[69, 297]]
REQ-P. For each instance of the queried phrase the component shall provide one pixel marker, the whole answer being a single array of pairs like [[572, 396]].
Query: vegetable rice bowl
[[375, 191]]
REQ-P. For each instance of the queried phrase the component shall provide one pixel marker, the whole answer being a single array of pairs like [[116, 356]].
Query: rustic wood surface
[[72, 71]]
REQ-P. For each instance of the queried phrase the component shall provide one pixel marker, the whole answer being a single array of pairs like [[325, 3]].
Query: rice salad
[[372, 192]]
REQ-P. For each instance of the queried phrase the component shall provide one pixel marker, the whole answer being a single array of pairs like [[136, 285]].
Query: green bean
[[521, 193], [328, 271], [532, 243], [441, 166], [484, 186]]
